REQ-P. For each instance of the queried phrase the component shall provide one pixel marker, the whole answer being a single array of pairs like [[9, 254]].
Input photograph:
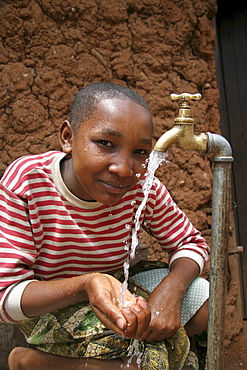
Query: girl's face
[[109, 151]]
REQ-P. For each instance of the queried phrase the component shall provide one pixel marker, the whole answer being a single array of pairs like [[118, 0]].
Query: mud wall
[[50, 49]]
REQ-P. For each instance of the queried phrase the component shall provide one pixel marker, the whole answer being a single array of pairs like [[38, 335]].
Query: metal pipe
[[221, 196], [182, 134]]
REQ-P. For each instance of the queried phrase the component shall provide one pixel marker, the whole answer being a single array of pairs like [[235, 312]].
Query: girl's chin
[[109, 199], [110, 202]]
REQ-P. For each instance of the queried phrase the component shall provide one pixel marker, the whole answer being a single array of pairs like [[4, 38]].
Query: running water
[[155, 160]]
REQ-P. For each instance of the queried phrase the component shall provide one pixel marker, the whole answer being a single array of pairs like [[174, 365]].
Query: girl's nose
[[123, 166]]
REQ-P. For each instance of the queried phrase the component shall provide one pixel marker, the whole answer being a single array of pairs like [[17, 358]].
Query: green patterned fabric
[[75, 331], [198, 352]]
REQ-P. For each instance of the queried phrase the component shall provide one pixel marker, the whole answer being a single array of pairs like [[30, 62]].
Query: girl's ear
[[65, 137]]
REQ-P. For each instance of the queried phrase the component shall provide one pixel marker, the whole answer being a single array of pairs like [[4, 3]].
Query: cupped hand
[[104, 296]]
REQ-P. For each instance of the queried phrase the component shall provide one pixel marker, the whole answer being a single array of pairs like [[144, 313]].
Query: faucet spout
[[182, 134], [168, 138]]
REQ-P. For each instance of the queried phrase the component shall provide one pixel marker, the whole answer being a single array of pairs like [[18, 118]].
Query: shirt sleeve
[[12, 303], [173, 230], [17, 252]]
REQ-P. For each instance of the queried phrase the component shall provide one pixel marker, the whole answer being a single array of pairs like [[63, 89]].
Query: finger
[[132, 322], [154, 334], [145, 335], [151, 336], [112, 318], [157, 337], [142, 303], [142, 321]]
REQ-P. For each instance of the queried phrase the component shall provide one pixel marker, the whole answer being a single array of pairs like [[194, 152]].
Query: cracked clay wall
[[50, 49]]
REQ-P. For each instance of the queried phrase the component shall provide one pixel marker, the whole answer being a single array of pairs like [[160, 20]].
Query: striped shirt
[[48, 233]]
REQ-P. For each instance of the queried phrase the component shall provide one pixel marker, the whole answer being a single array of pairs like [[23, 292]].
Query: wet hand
[[104, 296], [162, 325], [165, 315], [138, 317]]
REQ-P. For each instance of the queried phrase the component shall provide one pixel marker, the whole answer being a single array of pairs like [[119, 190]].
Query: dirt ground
[[236, 357]]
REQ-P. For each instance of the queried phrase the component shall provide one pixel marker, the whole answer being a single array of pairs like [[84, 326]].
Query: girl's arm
[[103, 292]]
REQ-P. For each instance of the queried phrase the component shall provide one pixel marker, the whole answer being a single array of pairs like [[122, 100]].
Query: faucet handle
[[186, 96]]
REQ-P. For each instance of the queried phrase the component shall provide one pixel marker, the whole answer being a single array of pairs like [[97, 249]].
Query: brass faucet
[[182, 134]]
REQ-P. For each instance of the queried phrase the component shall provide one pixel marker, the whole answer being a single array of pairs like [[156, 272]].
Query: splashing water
[[135, 349], [155, 160]]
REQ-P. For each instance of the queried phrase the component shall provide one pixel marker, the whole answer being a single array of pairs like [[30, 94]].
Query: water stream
[[155, 160]]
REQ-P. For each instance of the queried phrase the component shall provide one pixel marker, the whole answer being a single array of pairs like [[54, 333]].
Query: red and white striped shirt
[[48, 233]]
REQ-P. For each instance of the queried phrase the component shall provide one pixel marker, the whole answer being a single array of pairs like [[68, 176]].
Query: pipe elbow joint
[[220, 147]]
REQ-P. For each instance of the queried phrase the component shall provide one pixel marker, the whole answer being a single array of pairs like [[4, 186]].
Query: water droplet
[[133, 202], [110, 213], [127, 226], [138, 174], [138, 361], [144, 165], [157, 312]]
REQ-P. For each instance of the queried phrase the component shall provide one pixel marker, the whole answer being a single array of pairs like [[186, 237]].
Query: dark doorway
[[231, 22]]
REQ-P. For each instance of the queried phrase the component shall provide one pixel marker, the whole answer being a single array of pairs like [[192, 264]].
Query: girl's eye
[[106, 143], [142, 152]]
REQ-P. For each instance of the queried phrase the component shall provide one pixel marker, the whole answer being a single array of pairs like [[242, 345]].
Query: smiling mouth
[[114, 187]]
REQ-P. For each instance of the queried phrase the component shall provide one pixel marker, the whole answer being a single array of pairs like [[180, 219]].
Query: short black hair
[[87, 99]]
